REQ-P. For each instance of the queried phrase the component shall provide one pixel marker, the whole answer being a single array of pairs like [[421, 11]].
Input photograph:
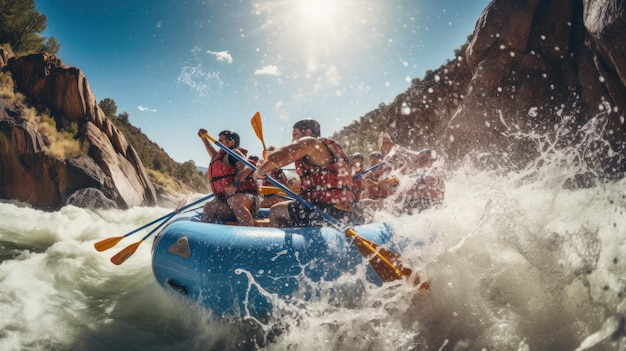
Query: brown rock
[[28, 173], [555, 69]]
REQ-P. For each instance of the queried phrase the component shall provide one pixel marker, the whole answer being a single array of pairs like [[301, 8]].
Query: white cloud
[[222, 56], [270, 70], [200, 80], [144, 109]]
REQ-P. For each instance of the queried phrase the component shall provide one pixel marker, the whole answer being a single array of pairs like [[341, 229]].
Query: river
[[515, 262]]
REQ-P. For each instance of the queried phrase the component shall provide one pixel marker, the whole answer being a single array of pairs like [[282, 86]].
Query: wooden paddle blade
[[385, 262], [387, 271], [123, 255], [107, 243], [394, 259], [257, 125], [271, 190]]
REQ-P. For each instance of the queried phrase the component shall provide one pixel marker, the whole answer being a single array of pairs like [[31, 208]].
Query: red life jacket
[[221, 175], [375, 191], [327, 185], [358, 185]]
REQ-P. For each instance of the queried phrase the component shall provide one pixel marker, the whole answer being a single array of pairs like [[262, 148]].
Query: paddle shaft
[[128, 251], [365, 172], [172, 214], [111, 242], [167, 216], [149, 224], [158, 226]]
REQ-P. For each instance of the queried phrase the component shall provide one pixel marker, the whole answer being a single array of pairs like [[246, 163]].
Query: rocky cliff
[[536, 74], [107, 172]]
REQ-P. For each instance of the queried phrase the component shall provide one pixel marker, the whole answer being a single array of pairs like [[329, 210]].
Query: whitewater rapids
[[514, 260]]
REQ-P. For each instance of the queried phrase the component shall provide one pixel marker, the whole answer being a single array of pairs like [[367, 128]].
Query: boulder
[[91, 198], [535, 74], [29, 172]]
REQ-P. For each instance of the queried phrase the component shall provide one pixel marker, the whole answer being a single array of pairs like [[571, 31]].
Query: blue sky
[[177, 66]]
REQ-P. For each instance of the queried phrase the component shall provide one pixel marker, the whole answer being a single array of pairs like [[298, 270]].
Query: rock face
[[30, 173], [534, 70]]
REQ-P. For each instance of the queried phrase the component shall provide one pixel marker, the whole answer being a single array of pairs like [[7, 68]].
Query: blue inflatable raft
[[238, 271]]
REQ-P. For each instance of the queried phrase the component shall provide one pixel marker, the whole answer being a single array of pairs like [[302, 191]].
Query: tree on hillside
[[109, 107], [460, 52], [20, 25], [52, 46], [152, 156]]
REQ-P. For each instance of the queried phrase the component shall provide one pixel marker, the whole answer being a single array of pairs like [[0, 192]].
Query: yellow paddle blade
[[107, 243], [271, 190], [257, 125], [385, 262], [123, 255]]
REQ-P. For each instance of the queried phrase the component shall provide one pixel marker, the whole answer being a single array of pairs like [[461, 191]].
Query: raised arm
[[207, 145], [309, 148]]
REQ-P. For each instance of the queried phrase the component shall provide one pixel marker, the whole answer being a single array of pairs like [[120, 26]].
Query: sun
[[316, 15], [319, 27], [318, 35]]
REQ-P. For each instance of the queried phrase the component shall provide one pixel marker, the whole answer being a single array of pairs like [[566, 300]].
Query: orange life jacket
[[327, 185], [221, 175]]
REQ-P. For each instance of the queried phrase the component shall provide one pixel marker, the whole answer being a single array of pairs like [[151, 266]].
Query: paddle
[[110, 242], [129, 250], [384, 262], [257, 124], [272, 190], [365, 172]]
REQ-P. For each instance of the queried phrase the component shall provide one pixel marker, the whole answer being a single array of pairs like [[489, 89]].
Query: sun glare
[[316, 14], [318, 33]]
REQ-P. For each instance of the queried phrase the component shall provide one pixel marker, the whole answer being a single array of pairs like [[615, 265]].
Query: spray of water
[[516, 260]]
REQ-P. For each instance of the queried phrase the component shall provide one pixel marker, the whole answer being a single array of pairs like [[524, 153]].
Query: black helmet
[[357, 155], [308, 123], [376, 154], [231, 135]]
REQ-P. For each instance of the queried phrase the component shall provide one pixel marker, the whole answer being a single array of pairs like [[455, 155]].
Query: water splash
[[516, 260]]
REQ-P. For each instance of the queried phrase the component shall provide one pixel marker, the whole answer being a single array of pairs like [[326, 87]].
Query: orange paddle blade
[[123, 255], [385, 262], [107, 243], [257, 125], [271, 190]]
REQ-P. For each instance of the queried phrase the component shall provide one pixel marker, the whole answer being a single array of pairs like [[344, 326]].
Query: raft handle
[[177, 287]]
